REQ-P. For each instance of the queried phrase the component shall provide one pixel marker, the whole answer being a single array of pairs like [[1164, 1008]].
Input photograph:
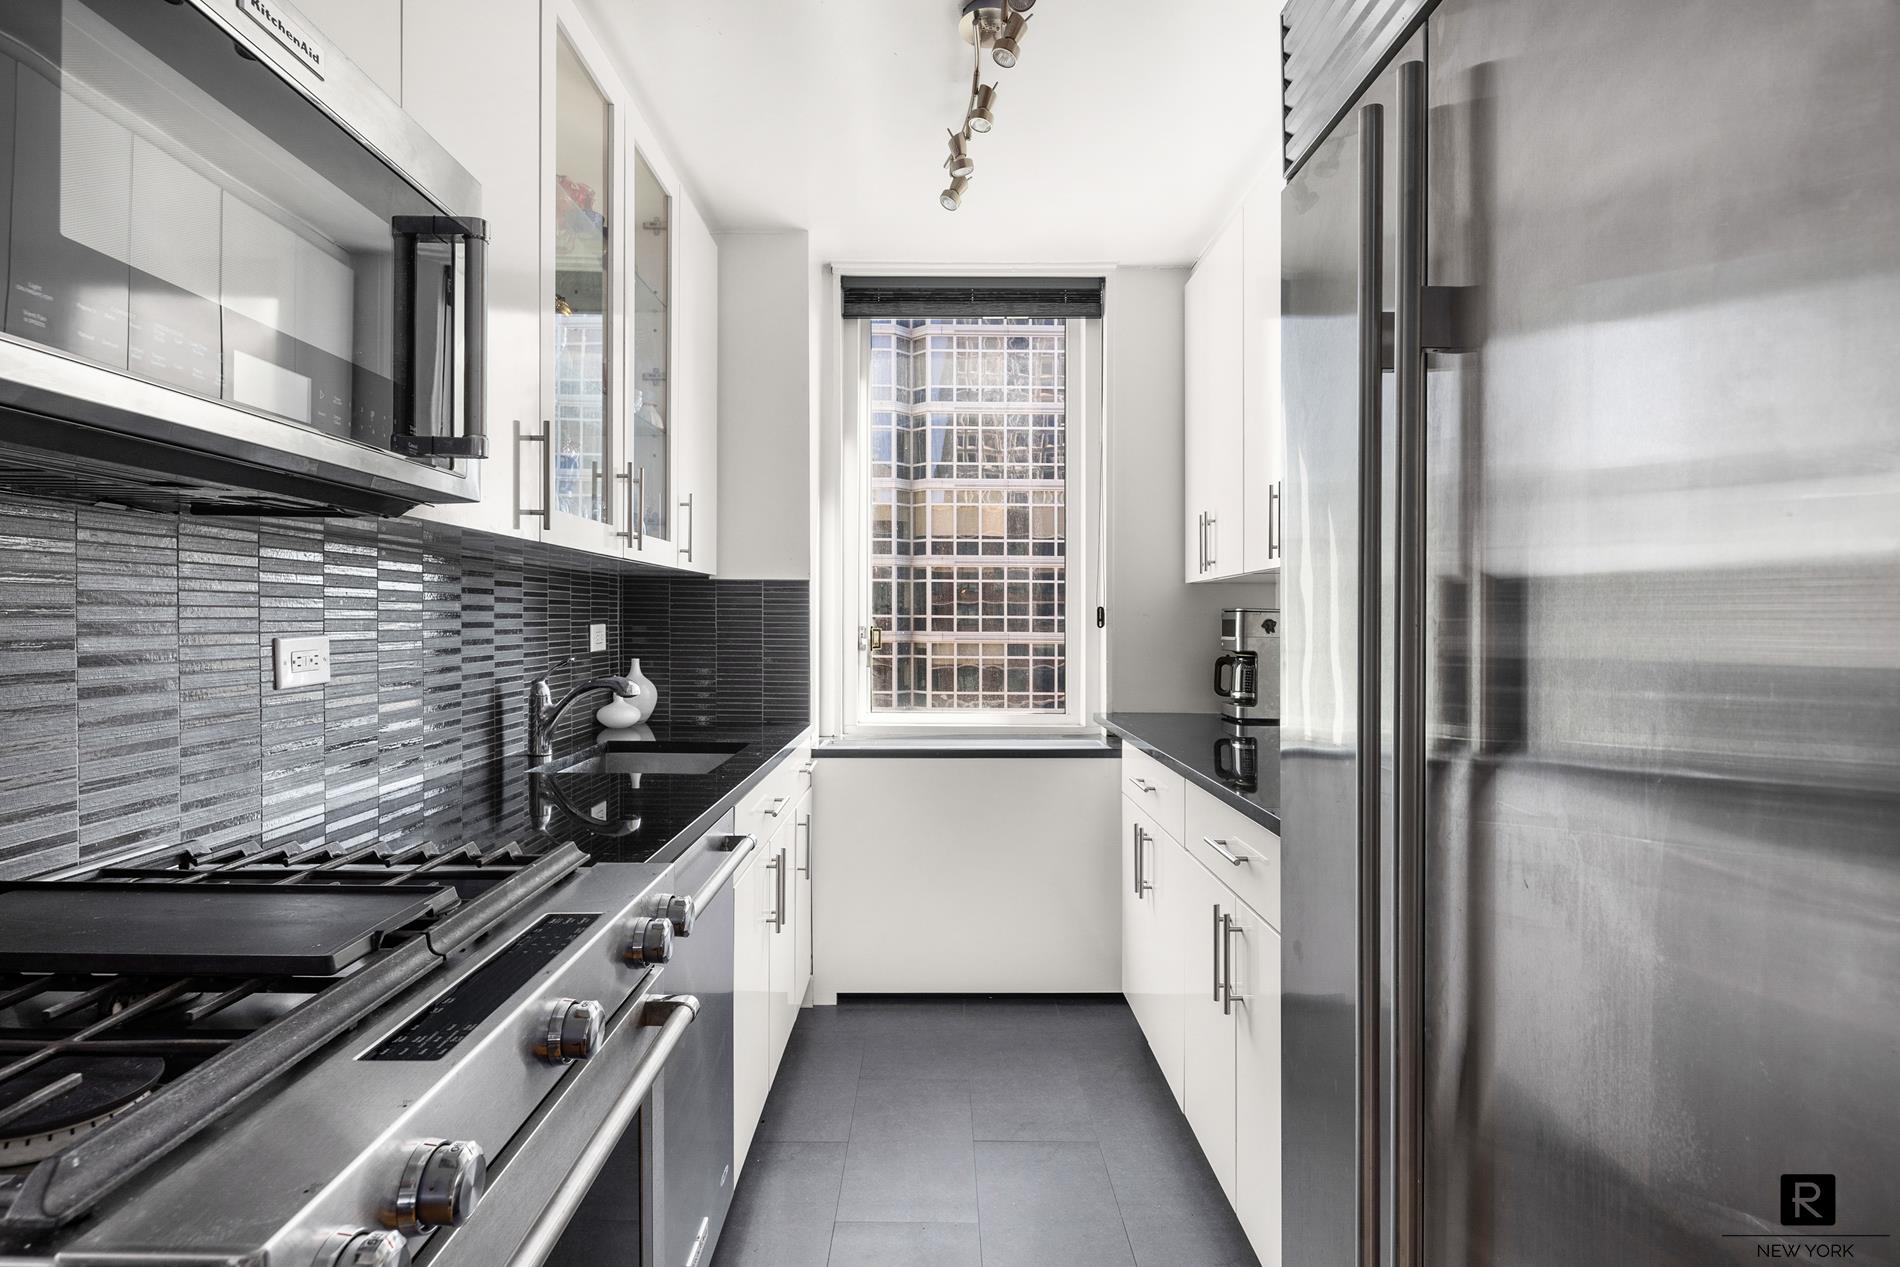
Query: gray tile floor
[[1011, 1132]]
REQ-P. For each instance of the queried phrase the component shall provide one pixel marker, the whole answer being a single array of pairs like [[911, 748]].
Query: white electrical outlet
[[299, 662], [596, 637]]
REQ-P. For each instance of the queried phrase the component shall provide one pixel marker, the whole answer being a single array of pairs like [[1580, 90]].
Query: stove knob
[[652, 941], [574, 1031], [363, 1249], [679, 910], [441, 1182]]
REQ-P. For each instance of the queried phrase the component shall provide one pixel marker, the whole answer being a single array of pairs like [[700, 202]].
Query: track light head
[[1008, 46], [952, 196], [959, 163], [982, 115]]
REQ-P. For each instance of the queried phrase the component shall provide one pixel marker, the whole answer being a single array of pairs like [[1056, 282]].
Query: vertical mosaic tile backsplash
[[136, 707]]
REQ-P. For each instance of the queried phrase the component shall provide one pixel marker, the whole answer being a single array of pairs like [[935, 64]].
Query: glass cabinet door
[[583, 446], [649, 403]]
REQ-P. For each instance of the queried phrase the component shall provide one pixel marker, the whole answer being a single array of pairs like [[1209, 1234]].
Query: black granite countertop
[[619, 817], [1207, 750]]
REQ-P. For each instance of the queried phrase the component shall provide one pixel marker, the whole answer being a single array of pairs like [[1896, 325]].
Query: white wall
[[965, 875], [1163, 633], [766, 400]]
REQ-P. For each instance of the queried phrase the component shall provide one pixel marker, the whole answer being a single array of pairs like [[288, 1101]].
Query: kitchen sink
[[651, 756]]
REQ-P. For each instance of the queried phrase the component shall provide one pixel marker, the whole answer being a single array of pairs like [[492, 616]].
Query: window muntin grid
[[968, 514]]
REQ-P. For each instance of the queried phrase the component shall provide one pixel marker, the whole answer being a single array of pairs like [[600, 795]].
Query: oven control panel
[[434, 1032]]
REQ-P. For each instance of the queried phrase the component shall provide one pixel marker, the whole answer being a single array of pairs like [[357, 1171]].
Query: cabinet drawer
[[1217, 833], [768, 806], [1155, 789]]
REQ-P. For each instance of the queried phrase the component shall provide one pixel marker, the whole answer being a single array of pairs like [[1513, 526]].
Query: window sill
[[938, 747]]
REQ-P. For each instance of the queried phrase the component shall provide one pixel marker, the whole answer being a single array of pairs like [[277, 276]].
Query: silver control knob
[[573, 1031], [680, 912], [652, 941], [363, 1249], [441, 1182]]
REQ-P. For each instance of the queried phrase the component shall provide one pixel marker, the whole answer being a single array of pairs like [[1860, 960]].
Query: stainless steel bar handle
[[544, 439], [778, 916], [1217, 950], [626, 477], [686, 551], [1275, 500], [640, 511], [1219, 846], [776, 865], [1142, 838], [718, 880], [672, 1013], [1200, 557], [1371, 305], [1213, 536], [1408, 758], [1228, 927], [1134, 846], [1141, 784], [802, 824]]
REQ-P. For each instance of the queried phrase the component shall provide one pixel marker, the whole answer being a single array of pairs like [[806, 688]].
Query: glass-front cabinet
[[582, 136], [650, 405], [609, 270]]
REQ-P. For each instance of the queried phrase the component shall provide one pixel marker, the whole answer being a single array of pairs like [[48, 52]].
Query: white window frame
[[1080, 648]]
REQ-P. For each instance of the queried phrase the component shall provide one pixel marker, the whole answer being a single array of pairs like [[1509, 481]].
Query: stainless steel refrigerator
[[1591, 596]]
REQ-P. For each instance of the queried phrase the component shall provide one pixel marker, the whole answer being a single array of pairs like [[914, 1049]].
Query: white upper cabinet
[[653, 341], [1213, 452], [491, 123], [1233, 445], [1263, 436], [584, 241], [696, 403]]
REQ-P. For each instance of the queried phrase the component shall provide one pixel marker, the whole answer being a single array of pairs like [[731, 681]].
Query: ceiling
[[1119, 138]]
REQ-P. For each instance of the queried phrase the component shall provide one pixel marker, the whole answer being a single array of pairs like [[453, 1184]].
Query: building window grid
[[969, 464]]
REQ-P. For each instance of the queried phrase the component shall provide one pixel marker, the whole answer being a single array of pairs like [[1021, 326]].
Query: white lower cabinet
[[1208, 1043], [771, 897], [1201, 970], [1152, 972], [751, 1003], [783, 942], [1256, 979], [801, 900]]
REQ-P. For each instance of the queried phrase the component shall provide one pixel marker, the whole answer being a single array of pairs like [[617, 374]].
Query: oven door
[[230, 260], [630, 1164]]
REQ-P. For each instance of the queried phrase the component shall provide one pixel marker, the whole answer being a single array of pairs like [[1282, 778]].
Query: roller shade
[[950, 297], [1331, 49]]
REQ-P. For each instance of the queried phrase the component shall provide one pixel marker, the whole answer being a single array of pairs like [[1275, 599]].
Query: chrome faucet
[[544, 711]]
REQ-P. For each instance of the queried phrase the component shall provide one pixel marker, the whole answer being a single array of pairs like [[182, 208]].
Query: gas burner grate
[[222, 1038]]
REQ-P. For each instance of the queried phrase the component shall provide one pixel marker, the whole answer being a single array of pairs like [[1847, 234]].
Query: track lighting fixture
[[960, 163], [1009, 45], [1001, 24], [982, 115]]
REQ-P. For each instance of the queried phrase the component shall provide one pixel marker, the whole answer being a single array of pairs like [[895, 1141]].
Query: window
[[968, 499]]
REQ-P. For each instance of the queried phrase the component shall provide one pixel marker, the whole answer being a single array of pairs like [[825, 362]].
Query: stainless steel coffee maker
[[1247, 674]]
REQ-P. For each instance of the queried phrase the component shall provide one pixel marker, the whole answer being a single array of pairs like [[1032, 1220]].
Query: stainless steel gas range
[[514, 1054]]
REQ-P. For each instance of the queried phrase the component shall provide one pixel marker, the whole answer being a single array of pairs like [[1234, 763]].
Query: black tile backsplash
[[136, 706]]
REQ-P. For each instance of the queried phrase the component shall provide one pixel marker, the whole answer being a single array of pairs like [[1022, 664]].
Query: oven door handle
[[672, 1013], [709, 891]]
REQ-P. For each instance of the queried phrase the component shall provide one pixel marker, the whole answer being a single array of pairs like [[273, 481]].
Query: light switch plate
[[597, 637], [299, 662]]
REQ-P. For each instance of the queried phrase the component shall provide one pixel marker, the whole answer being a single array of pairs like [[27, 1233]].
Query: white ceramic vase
[[620, 712]]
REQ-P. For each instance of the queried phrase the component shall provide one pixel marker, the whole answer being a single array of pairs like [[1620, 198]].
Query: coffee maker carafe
[[1247, 674]]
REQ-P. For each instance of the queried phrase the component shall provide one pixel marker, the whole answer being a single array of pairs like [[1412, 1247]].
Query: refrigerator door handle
[[1372, 362], [1408, 758]]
